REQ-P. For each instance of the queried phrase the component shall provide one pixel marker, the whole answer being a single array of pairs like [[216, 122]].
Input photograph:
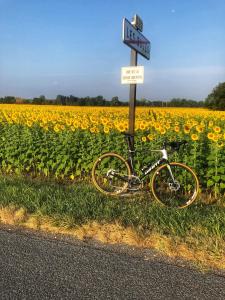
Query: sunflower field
[[63, 141]]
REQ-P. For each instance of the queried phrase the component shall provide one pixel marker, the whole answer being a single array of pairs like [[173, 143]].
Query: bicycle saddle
[[176, 145], [127, 134]]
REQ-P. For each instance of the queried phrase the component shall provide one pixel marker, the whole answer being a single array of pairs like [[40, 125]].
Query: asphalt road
[[41, 266]]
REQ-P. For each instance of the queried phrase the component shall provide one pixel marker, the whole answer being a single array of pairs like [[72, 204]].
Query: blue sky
[[75, 47]]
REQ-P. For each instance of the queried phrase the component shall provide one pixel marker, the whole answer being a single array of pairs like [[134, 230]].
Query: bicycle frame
[[150, 167]]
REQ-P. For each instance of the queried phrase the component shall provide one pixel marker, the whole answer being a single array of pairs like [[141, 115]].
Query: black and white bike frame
[[150, 167]]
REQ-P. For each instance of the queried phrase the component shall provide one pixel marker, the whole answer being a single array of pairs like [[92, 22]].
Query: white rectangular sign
[[135, 39], [132, 75]]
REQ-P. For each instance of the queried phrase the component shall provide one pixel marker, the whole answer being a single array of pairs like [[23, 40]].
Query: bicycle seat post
[[130, 142]]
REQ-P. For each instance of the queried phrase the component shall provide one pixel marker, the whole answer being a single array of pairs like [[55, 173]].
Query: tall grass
[[77, 204]]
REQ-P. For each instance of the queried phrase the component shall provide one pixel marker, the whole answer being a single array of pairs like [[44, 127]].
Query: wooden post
[[132, 103]]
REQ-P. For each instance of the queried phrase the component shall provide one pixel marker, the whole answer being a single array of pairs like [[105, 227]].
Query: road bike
[[173, 184]]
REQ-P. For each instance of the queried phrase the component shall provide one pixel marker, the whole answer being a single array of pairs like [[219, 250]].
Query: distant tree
[[9, 99], [216, 100], [115, 101], [37, 101], [60, 99], [181, 102], [72, 100], [42, 97], [100, 100], [40, 100], [27, 101], [143, 102], [201, 103], [157, 103], [115, 98]]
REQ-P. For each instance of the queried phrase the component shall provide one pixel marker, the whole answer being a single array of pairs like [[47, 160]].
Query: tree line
[[215, 100], [100, 101]]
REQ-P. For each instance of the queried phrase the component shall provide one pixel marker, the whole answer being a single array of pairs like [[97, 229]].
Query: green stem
[[216, 169]]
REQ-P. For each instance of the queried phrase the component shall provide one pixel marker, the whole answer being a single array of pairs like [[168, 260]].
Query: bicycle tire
[[180, 194], [107, 183]]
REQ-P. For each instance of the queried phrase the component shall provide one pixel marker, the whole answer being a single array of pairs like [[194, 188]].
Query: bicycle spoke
[[179, 192], [110, 174]]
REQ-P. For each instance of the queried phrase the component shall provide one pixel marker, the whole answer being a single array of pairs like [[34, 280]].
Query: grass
[[196, 233]]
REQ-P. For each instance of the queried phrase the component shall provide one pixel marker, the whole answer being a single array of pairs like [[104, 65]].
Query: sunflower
[[194, 137], [76, 123], [93, 130], [68, 122], [162, 131], [29, 123], [210, 135], [216, 137], [72, 177], [220, 144], [121, 127], [104, 121], [210, 123], [199, 128], [84, 126], [143, 125], [157, 126], [94, 119], [56, 128], [150, 137], [168, 126], [186, 129], [106, 129], [217, 129]]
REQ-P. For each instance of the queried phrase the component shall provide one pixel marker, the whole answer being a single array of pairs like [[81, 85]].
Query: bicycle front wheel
[[110, 174], [175, 185]]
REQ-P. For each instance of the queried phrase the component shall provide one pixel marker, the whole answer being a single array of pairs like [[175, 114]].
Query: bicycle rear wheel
[[178, 192], [110, 174]]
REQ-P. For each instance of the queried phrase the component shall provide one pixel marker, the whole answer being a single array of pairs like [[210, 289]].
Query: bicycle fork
[[170, 171], [175, 184]]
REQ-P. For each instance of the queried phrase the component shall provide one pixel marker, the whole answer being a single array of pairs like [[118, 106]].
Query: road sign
[[132, 75], [137, 23], [138, 43], [135, 39]]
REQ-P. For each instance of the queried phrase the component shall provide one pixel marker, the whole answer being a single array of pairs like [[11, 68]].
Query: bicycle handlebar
[[174, 145]]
